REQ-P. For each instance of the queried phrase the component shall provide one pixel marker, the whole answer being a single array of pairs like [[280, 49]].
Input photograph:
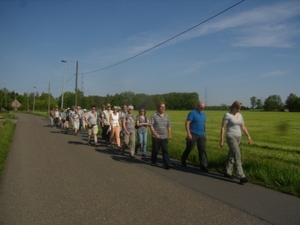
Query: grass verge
[[6, 134]]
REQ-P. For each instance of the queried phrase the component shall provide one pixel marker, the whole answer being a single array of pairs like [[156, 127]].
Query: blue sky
[[251, 50]]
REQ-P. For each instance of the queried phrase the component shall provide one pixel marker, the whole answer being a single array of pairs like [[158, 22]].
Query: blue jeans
[[156, 145], [142, 142]]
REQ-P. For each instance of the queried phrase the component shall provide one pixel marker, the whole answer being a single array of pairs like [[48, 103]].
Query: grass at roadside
[[7, 115], [6, 134]]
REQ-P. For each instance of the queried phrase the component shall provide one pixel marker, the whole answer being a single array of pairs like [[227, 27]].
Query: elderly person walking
[[128, 126], [195, 129], [91, 120], [161, 131], [233, 123]]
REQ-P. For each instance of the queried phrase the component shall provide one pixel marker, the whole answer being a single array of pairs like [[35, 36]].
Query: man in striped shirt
[[161, 131]]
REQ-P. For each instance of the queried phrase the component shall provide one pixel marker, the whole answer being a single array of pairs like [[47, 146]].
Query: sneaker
[[96, 144], [243, 180], [143, 154], [153, 164], [89, 143], [183, 163]]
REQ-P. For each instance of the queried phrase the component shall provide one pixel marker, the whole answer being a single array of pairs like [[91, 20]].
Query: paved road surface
[[52, 178]]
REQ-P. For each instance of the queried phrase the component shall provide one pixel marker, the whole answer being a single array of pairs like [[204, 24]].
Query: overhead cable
[[166, 40]]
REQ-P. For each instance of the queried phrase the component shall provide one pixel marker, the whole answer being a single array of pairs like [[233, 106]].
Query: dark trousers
[[156, 145], [201, 145], [105, 135], [80, 124]]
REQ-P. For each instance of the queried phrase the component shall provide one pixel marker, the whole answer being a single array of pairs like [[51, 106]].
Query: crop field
[[273, 158]]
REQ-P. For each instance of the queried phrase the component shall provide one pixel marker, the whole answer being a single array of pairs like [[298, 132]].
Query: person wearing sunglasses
[[233, 124]]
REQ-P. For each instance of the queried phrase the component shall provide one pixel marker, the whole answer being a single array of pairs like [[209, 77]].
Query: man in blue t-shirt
[[195, 129]]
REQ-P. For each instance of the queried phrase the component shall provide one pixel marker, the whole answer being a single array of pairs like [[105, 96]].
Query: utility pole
[[63, 84], [76, 81], [27, 101], [33, 100], [49, 99]]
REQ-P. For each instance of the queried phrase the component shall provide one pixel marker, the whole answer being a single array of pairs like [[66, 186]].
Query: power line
[[166, 40]]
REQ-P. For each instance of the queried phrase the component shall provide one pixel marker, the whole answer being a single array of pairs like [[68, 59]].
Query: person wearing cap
[[91, 120], [233, 123], [129, 128], [106, 123], [160, 126], [195, 129]]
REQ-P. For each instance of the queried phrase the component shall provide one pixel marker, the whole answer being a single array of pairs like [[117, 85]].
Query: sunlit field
[[272, 160]]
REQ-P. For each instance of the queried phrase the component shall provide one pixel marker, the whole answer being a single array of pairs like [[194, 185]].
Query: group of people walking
[[119, 126]]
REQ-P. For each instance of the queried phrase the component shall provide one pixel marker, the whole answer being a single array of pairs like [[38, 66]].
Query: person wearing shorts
[[91, 121]]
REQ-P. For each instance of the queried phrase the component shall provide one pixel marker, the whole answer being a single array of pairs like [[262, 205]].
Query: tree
[[291, 102], [253, 102], [259, 104], [273, 103]]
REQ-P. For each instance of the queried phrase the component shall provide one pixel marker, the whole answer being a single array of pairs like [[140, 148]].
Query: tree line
[[174, 101], [41, 102], [274, 103]]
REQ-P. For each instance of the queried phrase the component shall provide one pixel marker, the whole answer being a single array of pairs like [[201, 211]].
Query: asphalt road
[[54, 178]]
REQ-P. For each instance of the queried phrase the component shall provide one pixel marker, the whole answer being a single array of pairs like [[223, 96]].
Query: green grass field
[[6, 135], [272, 160]]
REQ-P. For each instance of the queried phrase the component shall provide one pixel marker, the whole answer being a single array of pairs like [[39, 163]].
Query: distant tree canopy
[[256, 103], [293, 103], [273, 103], [173, 101]]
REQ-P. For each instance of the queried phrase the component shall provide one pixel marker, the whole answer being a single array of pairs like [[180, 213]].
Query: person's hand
[[156, 136], [170, 136], [221, 143], [189, 137], [249, 140]]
